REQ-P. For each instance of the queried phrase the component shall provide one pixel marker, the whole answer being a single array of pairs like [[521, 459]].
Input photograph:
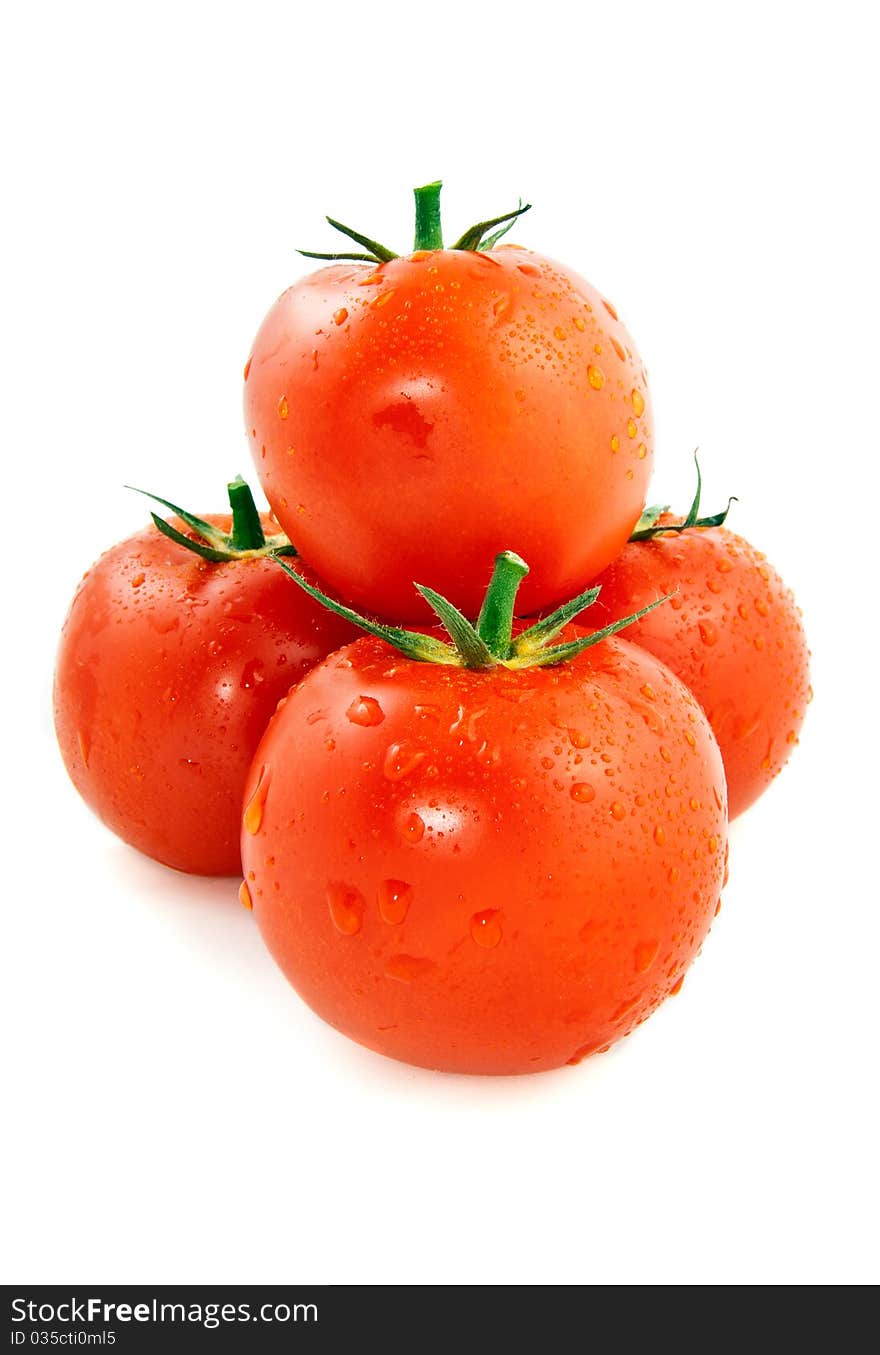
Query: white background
[[174, 1112]]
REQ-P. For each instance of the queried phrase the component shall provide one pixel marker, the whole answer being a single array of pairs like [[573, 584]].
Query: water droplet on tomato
[[596, 377], [579, 324], [85, 745], [642, 451], [761, 607], [252, 675], [638, 403], [724, 566], [708, 633], [582, 792], [138, 580], [394, 900], [346, 906], [282, 407], [631, 428], [253, 814], [618, 348], [401, 759], [615, 443], [610, 309], [383, 298], [650, 714], [644, 955], [660, 835], [366, 711], [578, 739], [485, 928], [585, 1051], [413, 827], [530, 270], [560, 334], [247, 367], [676, 987], [244, 896], [617, 811], [625, 1007], [408, 968], [340, 316]]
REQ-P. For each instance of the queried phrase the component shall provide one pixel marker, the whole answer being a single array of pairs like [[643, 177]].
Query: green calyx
[[246, 540], [649, 526], [490, 643], [428, 233]]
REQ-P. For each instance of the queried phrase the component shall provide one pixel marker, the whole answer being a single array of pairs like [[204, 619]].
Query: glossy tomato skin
[[732, 633], [410, 420], [168, 671], [485, 873]]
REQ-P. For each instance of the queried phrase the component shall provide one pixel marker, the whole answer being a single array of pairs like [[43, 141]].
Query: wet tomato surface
[[733, 634], [411, 418], [485, 872], [168, 671]]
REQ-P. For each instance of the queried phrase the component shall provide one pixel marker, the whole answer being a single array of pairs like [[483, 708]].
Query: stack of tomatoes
[[478, 831]]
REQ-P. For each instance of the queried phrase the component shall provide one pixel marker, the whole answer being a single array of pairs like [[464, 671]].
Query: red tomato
[[732, 633], [485, 872], [410, 418], [169, 669]]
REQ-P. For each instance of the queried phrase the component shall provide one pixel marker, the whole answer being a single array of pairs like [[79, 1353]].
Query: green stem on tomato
[[469, 648], [495, 622], [429, 229], [247, 530], [246, 539]]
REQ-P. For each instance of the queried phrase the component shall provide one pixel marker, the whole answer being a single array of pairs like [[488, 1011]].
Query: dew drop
[[383, 298], [578, 739], [560, 334], [642, 451], [638, 403], [676, 987], [615, 443], [618, 348], [644, 955], [617, 811], [244, 896], [340, 316], [138, 580], [366, 711], [407, 968], [253, 814], [252, 675], [708, 633], [579, 324], [596, 377], [624, 1008], [247, 368], [413, 827], [582, 792], [401, 759], [394, 900], [660, 835], [485, 928], [346, 906], [631, 428], [85, 746], [610, 309], [282, 407]]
